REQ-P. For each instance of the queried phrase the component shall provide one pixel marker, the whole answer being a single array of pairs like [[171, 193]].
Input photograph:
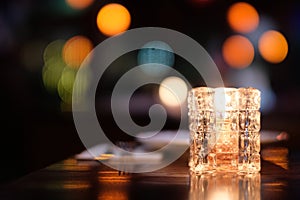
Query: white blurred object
[[150, 140], [113, 154]]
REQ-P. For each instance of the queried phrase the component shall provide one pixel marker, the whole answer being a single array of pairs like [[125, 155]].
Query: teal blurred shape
[[156, 52]]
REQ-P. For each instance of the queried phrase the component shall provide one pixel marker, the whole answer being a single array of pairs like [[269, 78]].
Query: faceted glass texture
[[224, 129]]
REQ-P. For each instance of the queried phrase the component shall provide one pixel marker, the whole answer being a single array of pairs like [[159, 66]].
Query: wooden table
[[88, 180]]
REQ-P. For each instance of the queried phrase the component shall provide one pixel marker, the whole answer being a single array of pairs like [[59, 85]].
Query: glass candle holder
[[202, 125], [249, 127], [227, 128], [224, 128]]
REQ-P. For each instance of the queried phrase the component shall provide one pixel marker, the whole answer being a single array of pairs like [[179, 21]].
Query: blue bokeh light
[[156, 52]]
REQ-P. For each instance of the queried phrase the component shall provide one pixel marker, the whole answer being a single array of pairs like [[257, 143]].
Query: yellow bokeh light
[[65, 84], [65, 95], [173, 91], [53, 50], [53, 65], [68, 78], [273, 46], [79, 4], [81, 85], [51, 74], [113, 19], [243, 17], [76, 50], [238, 51]]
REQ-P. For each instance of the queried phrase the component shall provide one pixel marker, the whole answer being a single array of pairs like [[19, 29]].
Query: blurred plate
[[153, 140], [150, 140]]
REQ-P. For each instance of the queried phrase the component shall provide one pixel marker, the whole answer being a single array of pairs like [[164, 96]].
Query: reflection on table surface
[[225, 186], [74, 179]]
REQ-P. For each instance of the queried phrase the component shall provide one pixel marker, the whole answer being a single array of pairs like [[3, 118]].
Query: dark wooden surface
[[73, 179]]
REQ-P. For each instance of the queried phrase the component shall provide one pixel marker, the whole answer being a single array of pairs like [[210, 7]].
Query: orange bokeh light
[[113, 19], [75, 50], [243, 17], [238, 51], [273, 46], [79, 4]]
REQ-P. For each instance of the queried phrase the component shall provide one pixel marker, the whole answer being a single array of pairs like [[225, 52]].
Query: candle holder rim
[[202, 89]]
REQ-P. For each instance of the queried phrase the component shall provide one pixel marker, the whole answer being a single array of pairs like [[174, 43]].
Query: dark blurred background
[[37, 128]]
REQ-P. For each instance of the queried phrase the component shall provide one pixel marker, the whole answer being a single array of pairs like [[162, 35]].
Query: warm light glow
[[238, 51], [273, 46], [243, 17], [173, 91], [113, 19], [75, 50], [75, 185], [79, 4], [61, 61], [223, 97], [221, 194], [105, 156], [277, 156]]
